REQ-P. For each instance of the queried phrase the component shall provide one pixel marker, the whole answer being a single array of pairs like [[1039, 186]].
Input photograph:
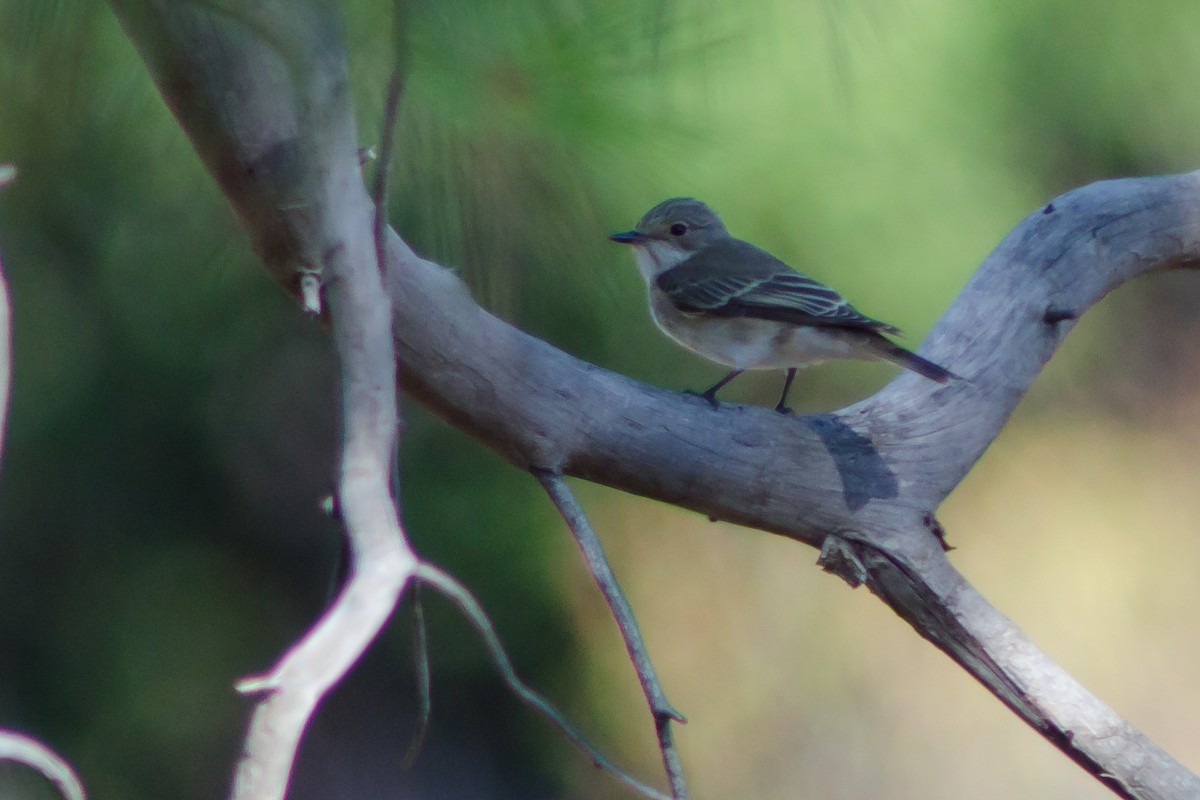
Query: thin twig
[[593, 554], [8, 174], [379, 196], [395, 91], [424, 689], [387, 136], [29, 751], [461, 597]]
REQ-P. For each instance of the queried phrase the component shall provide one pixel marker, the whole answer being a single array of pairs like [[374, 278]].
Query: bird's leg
[[781, 406], [710, 394]]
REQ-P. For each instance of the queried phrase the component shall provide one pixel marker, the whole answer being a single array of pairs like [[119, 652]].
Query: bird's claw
[[711, 397]]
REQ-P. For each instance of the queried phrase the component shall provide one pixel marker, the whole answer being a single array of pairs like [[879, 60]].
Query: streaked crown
[[686, 222]]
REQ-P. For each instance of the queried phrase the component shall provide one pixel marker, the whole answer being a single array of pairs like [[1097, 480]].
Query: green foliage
[[173, 424]]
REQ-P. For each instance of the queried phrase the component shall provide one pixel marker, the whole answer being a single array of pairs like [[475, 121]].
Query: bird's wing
[[759, 286]]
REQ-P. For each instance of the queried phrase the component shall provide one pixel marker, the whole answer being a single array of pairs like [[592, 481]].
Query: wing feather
[[762, 286]]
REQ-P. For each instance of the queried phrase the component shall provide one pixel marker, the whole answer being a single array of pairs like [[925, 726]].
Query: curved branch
[[899, 452], [862, 482], [286, 61], [872, 473], [469, 606], [22, 749], [1023, 300]]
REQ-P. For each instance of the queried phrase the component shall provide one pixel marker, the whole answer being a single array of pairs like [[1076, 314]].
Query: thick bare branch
[[870, 476], [872, 473], [884, 463], [285, 77]]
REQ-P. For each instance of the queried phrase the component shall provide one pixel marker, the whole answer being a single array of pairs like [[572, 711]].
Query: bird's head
[[681, 222], [670, 232]]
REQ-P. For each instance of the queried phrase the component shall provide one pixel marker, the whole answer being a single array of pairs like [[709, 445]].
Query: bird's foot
[[709, 395]]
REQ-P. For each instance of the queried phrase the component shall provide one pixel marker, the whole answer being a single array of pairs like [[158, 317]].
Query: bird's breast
[[749, 343]]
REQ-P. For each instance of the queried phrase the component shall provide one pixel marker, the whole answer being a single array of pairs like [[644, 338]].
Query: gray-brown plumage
[[738, 305]]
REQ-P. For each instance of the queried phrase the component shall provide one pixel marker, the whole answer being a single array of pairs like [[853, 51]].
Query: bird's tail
[[911, 361]]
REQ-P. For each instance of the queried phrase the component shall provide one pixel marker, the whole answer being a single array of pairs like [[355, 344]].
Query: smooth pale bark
[[861, 483]]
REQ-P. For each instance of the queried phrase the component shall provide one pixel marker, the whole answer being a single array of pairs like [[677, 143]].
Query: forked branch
[[863, 482], [295, 94], [339, 251]]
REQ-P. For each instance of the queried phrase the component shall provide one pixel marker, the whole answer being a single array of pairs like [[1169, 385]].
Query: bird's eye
[[678, 229]]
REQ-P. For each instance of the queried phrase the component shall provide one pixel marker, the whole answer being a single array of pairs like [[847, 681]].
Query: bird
[[736, 304]]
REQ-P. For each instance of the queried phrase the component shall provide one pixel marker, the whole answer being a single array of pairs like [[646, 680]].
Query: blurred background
[[173, 419]]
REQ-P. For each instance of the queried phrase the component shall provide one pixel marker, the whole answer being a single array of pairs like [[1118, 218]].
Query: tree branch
[[8, 174], [899, 452], [873, 472], [469, 606], [662, 710], [870, 475], [335, 236], [249, 54], [22, 749]]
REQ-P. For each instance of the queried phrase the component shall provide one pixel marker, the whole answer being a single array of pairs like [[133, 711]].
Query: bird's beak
[[629, 237]]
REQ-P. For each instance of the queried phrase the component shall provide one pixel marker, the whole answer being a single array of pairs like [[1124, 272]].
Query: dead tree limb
[[862, 483]]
